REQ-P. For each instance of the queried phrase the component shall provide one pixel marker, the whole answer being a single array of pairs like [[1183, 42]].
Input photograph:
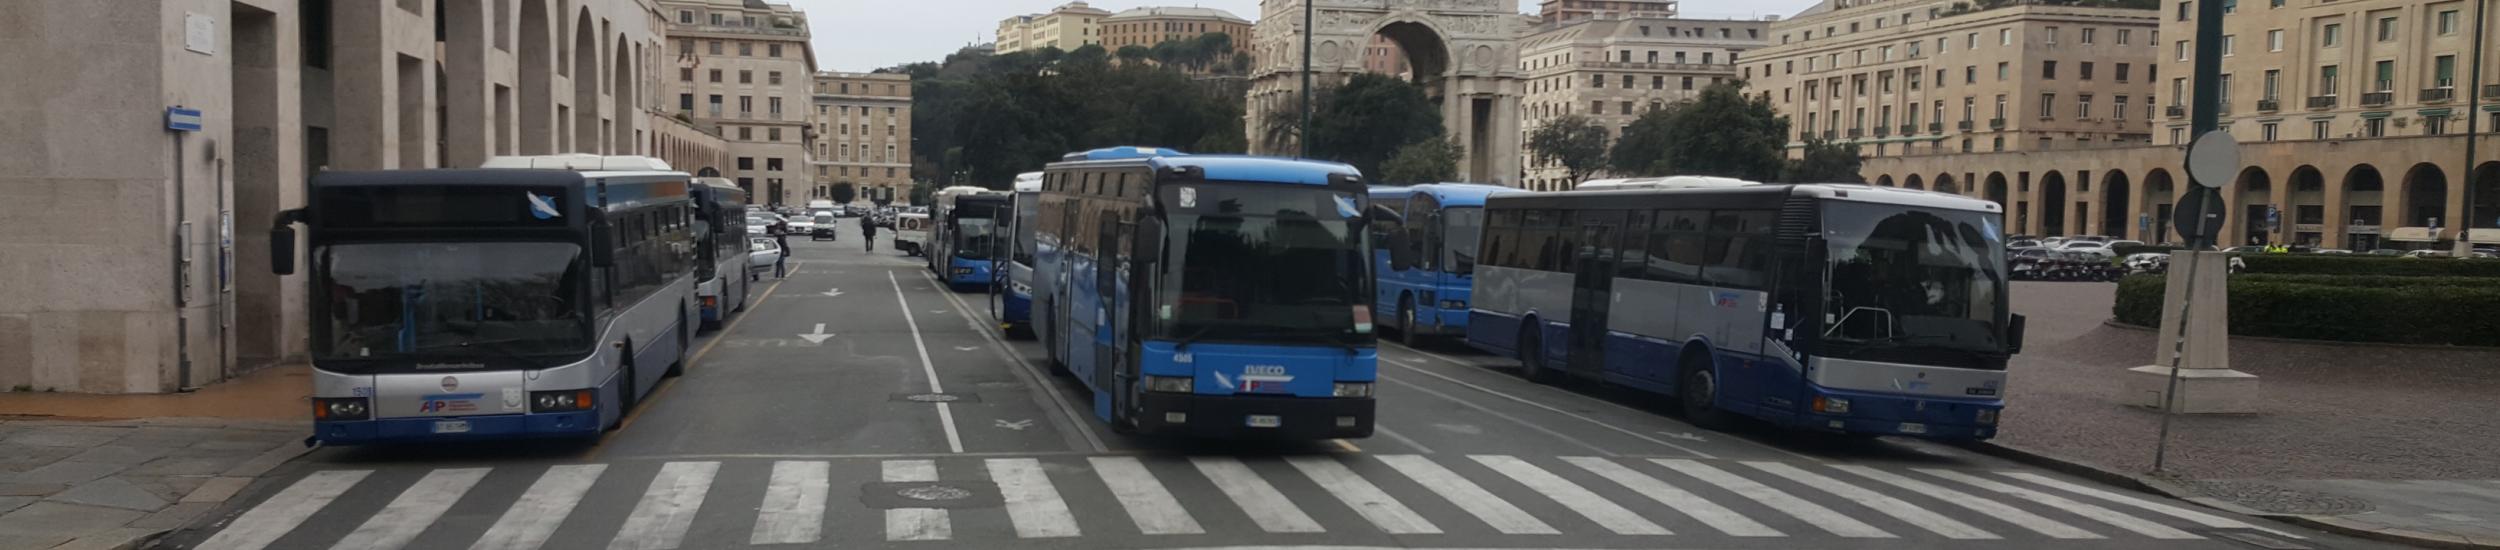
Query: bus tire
[[1697, 391], [625, 388], [685, 339], [1532, 354], [1050, 351], [1406, 321], [1124, 398]]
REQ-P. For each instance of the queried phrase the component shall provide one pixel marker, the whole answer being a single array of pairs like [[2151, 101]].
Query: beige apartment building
[[1149, 26], [1560, 12], [1898, 77], [1067, 27], [2350, 115], [741, 69], [863, 134], [1612, 68], [124, 276]]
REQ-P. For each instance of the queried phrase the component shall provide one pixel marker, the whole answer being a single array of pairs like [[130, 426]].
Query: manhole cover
[[2281, 500], [929, 494], [934, 493], [936, 397]]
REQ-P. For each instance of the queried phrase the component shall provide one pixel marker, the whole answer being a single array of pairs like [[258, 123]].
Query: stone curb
[[2331, 524], [2115, 323]]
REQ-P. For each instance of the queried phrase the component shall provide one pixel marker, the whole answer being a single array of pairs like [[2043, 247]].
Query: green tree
[[1366, 120], [1825, 162], [1132, 54], [844, 192], [1722, 133], [1427, 161], [1572, 141]]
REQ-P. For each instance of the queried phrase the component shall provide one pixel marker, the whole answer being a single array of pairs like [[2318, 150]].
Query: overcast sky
[[861, 35]]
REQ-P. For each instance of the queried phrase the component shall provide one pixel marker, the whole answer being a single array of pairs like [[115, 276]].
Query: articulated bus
[[963, 236], [721, 274], [1426, 258], [1015, 299], [1218, 296], [539, 297], [1842, 308]]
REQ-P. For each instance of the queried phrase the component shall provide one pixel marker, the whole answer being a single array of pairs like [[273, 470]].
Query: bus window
[[1501, 239], [1567, 243], [1634, 253]]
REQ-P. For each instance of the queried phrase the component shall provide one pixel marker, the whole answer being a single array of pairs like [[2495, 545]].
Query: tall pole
[[2204, 117], [2473, 127], [1310, 26]]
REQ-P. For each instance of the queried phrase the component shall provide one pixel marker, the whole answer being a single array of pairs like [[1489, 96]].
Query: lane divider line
[[946, 415], [1033, 376]]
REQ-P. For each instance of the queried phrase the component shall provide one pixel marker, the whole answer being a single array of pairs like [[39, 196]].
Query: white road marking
[[2103, 515], [1148, 502], [1468, 496], [1897, 508], [2201, 518], [946, 415], [659, 522], [817, 337], [1400, 438], [915, 523], [1641, 413], [1360, 494], [415, 508], [536, 514], [1991, 508], [1703, 510], [1550, 408], [1069, 419], [1539, 428], [1032, 502], [1579, 499], [1270, 509], [794, 504], [273, 518], [1799, 508]]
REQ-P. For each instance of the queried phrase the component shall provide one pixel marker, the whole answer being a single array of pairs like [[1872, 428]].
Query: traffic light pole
[[2204, 118]]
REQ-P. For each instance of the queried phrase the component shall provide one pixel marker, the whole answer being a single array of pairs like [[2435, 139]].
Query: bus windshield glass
[[975, 238], [1913, 278], [1027, 206], [1262, 262], [1460, 228], [449, 298]]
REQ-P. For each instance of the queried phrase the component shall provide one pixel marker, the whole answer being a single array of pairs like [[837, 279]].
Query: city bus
[[1215, 296], [537, 297], [1015, 299], [1842, 308], [963, 236], [1426, 258], [721, 274]]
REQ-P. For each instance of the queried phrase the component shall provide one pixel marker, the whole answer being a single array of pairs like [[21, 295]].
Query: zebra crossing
[[1121, 500]]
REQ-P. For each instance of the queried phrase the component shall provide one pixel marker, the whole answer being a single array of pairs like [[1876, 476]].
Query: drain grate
[[929, 494], [936, 398]]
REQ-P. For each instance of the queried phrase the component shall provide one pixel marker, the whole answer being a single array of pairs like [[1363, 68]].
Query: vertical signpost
[[2473, 117], [1310, 26], [181, 121]]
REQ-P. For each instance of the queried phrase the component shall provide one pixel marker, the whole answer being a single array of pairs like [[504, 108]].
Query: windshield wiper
[[499, 348], [1192, 338]]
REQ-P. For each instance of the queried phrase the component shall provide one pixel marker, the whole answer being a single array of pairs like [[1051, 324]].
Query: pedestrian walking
[[781, 237], [869, 229]]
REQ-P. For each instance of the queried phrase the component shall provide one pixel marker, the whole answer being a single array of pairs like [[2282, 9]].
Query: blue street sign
[[182, 120], [2144, 222]]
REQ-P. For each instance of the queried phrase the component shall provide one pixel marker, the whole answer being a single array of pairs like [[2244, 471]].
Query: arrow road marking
[[819, 336], [1019, 425], [832, 293]]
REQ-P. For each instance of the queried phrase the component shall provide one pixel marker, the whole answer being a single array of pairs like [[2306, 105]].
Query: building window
[[685, 17], [714, 46], [2125, 36], [715, 105], [2083, 107], [2086, 38], [746, 163], [716, 76], [685, 74], [2447, 22], [2182, 50], [2186, 10], [746, 104], [2118, 108], [746, 133], [1627, 82], [2333, 35], [2083, 71], [2048, 70], [746, 49], [2318, 128], [2444, 71], [1970, 74], [2376, 127], [2268, 131], [2435, 125], [685, 102], [1688, 83], [2048, 106], [2328, 80], [775, 78], [772, 50], [746, 77], [2274, 40], [2273, 84], [1657, 82], [2230, 43], [1597, 107], [772, 164], [2001, 71], [2005, 37], [1625, 108], [717, 19], [2386, 73], [2386, 29], [772, 134], [2178, 135], [774, 103]]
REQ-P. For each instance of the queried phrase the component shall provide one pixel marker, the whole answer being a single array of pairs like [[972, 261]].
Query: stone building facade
[[1067, 27], [1612, 69], [741, 69], [863, 134]]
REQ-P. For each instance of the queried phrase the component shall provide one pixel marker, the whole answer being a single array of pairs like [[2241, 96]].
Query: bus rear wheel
[[1698, 392], [1532, 354]]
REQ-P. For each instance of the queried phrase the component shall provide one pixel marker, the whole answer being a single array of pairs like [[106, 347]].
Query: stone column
[[2206, 383]]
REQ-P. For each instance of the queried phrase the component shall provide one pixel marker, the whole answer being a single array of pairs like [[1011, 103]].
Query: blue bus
[[1217, 296], [1426, 257], [964, 233], [493, 303], [1841, 308], [1014, 300], [721, 274]]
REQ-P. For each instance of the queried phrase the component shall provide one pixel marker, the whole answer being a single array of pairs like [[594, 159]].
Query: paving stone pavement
[[108, 484]]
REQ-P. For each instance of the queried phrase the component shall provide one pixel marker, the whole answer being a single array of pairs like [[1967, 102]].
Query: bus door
[[1106, 287], [1592, 292]]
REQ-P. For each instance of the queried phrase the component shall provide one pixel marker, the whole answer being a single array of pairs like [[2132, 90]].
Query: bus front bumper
[[1249, 417], [1017, 310], [1884, 414], [470, 428], [968, 275]]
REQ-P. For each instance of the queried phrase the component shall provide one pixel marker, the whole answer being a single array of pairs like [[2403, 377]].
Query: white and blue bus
[[1844, 308], [964, 233], [721, 274], [493, 303], [1015, 298], [1218, 296], [1426, 257]]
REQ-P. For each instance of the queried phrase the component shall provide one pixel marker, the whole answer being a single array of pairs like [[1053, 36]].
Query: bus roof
[[582, 162], [1675, 197], [1120, 153], [1669, 182], [1029, 182], [1236, 168], [1450, 194]]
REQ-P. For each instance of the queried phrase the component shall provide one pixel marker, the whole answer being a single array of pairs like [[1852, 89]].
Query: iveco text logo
[[1263, 370]]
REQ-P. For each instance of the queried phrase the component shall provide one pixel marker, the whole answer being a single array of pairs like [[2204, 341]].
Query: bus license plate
[[451, 426], [1913, 428], [1263, 421]]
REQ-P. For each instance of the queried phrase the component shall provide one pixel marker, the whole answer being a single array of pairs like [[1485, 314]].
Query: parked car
[[801, 225], [762, 253], [761, 223], [823, 227], [2084, 245], [2427, 254], [2333, 251], [2022, 243], [2385, 252], [2125, 242], [2031, 263], [2147, 262]]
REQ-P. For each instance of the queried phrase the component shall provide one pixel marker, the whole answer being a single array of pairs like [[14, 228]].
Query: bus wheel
[[1699, 391], [1406, 322], [625, 397], [1532, 354], [685, 339]]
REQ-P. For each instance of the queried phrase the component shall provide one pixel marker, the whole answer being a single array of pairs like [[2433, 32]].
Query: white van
[[911, 232]]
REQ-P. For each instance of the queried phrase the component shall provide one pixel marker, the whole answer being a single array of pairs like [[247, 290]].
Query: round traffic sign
[[2213, 159]]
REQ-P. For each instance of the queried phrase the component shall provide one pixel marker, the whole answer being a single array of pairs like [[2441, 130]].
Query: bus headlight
[[1021, 288], [341, 408], [1831, 405], [560, 401], [1170, 384], [1353, 389], [1453, 304], [1987, 417]]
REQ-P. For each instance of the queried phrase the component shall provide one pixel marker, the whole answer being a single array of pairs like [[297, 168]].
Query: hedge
[[2347, 264], [2342, 308]]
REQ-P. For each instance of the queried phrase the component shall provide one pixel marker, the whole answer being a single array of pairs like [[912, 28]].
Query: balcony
[[1855, 133], [1963, 126], [1829, 135], [1908, 129], [1883, 131], [2376, 99], [2438, 95], [1805, 135], [2269, 105], [2322, 102], [1996, 123], [2175, 111], [1636, 65], [2491, 91], [1936, 128]]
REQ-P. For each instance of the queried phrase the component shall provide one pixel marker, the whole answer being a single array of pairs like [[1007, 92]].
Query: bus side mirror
[[1149, 241], [1379, 213], [282, 250], [2014, 335], [602, 246]]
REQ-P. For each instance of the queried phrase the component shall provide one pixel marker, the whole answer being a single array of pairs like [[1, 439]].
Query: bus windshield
[[1903, 277], [1256, 263], [1460, 228], [431, 299], [975, 238]]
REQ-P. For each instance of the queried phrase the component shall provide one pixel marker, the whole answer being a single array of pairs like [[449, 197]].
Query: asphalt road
[[914, 426]]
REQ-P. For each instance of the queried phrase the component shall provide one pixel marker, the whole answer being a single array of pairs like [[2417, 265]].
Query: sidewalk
[[2387, 442], [109, 471]]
